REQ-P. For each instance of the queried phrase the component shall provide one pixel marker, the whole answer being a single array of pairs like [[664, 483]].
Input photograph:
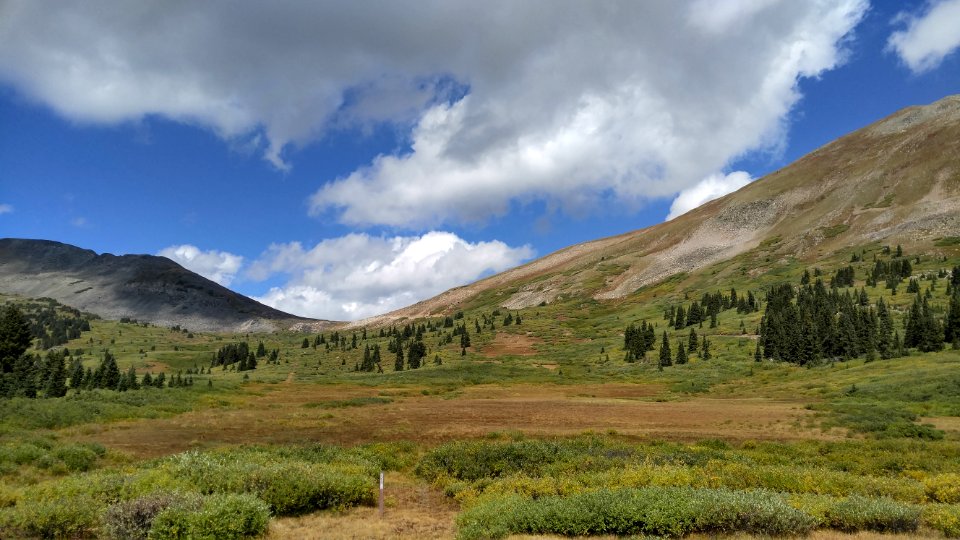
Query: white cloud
[[571, 103], [708, 189], [80, 222], [218, 266], [358, 275], [929, 37], [6, 209]]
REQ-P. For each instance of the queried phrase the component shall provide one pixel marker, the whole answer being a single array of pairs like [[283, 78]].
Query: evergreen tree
[[951, 329], [681, 353], [15, 337], [705, 351], [24, 377], [415, 353], [56, 383], [305, 344], [131, 377], [110, 373], [692, 343], [665, 359], [398, 363], [884, 331], [680, 318], [160, 380], [76, 374]]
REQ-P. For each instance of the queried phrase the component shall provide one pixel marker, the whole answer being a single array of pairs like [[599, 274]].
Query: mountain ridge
[[147, 288], [895, 179]]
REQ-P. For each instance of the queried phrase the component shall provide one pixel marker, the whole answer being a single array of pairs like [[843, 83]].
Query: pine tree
[[398, 363], [681, 353], [15, 337], [951, 329], [705, 351], [131, 377], [680, 318], [665, 359], [56, 383], [692, 343]]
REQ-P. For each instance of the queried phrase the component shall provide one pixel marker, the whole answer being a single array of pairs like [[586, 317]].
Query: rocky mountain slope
[[143, 287], [897, 180]]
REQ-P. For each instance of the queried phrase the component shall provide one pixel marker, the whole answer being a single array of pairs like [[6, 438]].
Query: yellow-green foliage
[[944, 518], [943, 488]]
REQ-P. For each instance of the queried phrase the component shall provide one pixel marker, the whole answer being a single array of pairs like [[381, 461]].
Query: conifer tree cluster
[[824, 323], [235, 355], [709, 306], [637, 340]]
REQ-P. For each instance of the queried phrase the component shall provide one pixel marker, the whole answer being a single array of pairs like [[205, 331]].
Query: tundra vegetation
[[766, 395]]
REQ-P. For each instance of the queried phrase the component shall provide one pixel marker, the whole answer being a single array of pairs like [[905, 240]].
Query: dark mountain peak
[[144, 287]]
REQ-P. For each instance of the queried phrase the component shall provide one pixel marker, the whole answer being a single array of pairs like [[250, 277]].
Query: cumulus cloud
[[218, 266], [928, 37], [6, 209], [708, 189], [571, 103], [358, 275]]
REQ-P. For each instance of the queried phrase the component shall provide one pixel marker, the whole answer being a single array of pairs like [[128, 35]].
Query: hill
[[895, 181], [142, 287]]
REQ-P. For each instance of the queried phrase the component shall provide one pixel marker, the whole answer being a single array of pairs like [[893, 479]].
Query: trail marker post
[[381, 494]]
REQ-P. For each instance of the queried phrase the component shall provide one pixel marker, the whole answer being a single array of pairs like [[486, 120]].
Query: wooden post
[[381, 494]]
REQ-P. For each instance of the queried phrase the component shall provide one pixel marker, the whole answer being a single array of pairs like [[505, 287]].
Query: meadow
[[536, 428]]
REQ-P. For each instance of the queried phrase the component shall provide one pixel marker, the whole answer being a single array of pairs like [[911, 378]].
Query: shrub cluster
[[646, 511]]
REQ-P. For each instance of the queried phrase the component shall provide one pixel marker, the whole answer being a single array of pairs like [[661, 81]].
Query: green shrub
[[645, 511], [64, 517], [132, 520], [215, 517], [943, 488], [471, 460], [883, 515], [288, 486], [77, 458], [944, 518]]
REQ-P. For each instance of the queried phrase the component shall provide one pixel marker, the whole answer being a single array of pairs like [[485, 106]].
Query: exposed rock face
[[143, 287], [896, 181]]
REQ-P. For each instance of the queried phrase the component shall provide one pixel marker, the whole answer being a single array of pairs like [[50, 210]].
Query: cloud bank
[[358, 275], [502, 102], [708, 189], [218, 266], [928, 37]]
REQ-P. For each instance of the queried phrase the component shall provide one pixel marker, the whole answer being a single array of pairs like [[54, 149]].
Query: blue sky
[[339, 161]]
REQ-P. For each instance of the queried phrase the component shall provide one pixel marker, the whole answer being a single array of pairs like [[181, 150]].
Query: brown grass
[[278, 416], [505, 344]]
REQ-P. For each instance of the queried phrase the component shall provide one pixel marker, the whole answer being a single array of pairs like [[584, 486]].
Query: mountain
[[895, 181], [143, 287]]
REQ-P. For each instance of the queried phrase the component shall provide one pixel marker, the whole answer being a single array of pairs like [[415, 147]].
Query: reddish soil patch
[[279, 417], [505, 344]]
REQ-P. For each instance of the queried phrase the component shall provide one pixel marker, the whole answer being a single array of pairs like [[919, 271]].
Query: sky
[[343, 159]]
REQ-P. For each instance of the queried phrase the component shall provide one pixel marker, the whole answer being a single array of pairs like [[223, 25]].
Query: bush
[[855, 513], [288, 486], [77, 458], [646, 511], [944, 518], [471, 460], [133, 519], [943, 488], [65, 517], [216, 517]]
